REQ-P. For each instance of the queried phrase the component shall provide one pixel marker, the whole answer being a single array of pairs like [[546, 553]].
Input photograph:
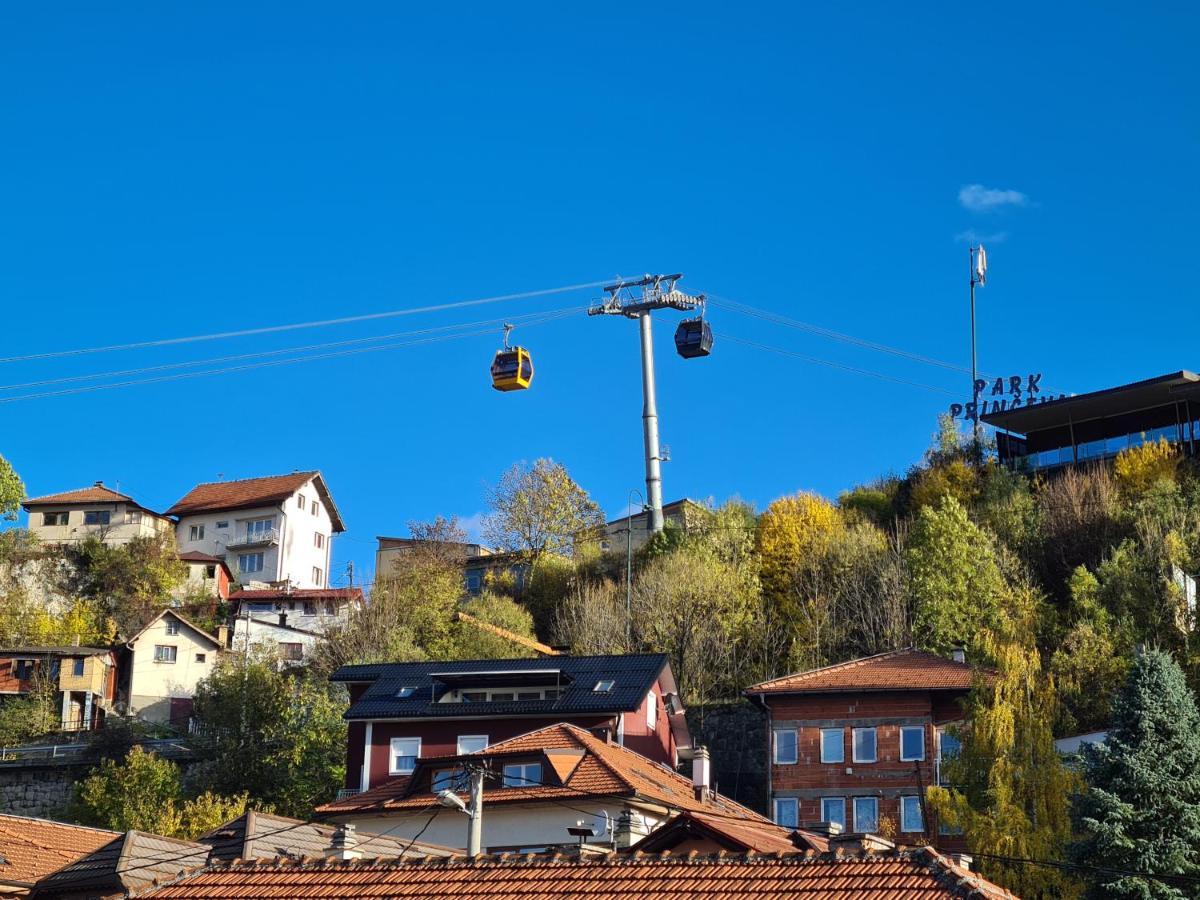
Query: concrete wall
[[121, 529]]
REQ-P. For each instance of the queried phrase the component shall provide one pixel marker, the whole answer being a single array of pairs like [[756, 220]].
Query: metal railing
[[255, 539]]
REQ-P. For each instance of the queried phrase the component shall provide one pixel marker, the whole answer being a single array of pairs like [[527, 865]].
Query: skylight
[[603, 687], [405, 692]]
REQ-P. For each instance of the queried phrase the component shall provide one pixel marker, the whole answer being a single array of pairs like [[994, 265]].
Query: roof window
[[603, 687], [405, 692]]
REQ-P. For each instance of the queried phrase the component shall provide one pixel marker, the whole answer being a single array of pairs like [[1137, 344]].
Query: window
[[864, 745], [165, 653], [256, 528], [912, 743], [522, 774], [317, 575], [405, 692], [787, 812], [201, 657], [172, 626], [329, 610], [866, 814], [472, 743], [316, 507], [291, 651], [603, 687], [404, 755], [23, 669], [250, 562], [310, 608], [196, 533], [502, 696], [529, 695], [318, 540], [222, 525], [300, 501], [651, 710], [133, 516], [54, 518], [210, 571], [474, 582], [785, 747], [77, 667], [833, 745], [474, 696], [833, 809], [910, 814], [948, 747], [450, 780], [96, 517]]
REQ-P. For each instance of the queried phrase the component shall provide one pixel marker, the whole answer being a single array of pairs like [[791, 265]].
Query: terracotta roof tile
[[920, 874], [97, 493], [248, 492], [299, 594], [33, 848], [899, 670]]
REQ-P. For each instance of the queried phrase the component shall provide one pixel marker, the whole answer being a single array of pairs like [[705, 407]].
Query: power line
[[322, 323]]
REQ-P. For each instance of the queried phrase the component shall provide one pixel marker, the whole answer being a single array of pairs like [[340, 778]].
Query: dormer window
[[522, 774], [405, 692], [603, 687]]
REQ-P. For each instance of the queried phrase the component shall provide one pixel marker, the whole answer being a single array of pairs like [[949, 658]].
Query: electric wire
[[321, 323]]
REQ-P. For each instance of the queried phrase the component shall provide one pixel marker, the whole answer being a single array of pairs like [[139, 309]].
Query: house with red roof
[[276, 530], [858, 743], [98, 511]]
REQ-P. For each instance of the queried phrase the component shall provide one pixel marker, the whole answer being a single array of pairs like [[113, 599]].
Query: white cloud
[[971, 236], [473, 526], [978, 198]]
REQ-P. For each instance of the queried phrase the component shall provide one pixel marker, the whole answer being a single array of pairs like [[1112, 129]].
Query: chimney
[[75, 641], [343, 844], [99, 484], [828, 829], [223, 635], [962, 860], [701, 773], [861, 842], [283, 618], [959, 654]]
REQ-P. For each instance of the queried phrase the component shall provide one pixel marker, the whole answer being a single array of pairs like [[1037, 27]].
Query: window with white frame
[[833, 809], [910, 814], [404, 755], [54, 518], [250, 562], [472, 743], [912, 743], [522, 774], [259, 527], [864, 745], [316, 507], [222, 525], [196, 533], [833, 745], [866, 814], [318, 540], [787, 812], [652, 710], [300, 501], [133, 516], [317, 576], [165, 653], [786, 749], [172, 626]]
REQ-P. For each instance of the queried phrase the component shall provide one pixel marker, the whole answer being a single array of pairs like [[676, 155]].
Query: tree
[[130, 582], [30, 715], [278, 737], [473, 642], [1137, 469], [12, 491], [539, 509], [1140, 811], [143, 792]]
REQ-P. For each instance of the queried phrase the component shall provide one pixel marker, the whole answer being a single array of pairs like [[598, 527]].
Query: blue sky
[[171, 171]]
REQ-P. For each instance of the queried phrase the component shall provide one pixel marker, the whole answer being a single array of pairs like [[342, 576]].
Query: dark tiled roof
[[918, 874], [633, 676], [33, 848], [249, 492], [128, 863], [899, 670], [54, 651]]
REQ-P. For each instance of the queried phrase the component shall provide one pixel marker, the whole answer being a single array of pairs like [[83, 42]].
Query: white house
[[293, 646], [167, 659], [276, 529], [95, 511]]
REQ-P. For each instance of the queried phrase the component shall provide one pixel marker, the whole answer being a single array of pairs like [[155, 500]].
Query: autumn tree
[[1140, 811], [473, 640], [12, 491], [1137, 469], [130, 582], [539, 509]]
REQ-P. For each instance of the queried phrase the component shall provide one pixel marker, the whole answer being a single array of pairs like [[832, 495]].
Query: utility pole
[[657, 292], [978, 263], [475, 811]]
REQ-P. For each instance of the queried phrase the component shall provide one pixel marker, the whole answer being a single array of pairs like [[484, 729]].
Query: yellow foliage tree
[[1138, 468]]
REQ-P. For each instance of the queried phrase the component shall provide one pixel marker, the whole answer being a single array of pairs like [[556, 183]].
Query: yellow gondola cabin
[[512, 369]]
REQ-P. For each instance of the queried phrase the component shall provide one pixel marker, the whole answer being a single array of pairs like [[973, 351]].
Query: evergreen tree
[[1141, 809]]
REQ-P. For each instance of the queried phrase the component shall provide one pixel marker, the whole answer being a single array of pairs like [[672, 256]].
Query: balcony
[[266, 538]]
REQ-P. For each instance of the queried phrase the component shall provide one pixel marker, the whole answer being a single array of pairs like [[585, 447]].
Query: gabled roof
[[97, 493], [174, 614], [729, 834], [31, 848], [249, 492], [128, 862], [898, 670], [256, 835], [917, 874], [592, 767], [632, 675]]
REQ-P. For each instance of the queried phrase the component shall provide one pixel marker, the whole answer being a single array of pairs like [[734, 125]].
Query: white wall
[[119, 530], [152, 684], [293, 558], [269, 635]]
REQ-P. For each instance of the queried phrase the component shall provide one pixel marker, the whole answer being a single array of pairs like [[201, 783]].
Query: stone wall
[[735, 734], [42, 791]]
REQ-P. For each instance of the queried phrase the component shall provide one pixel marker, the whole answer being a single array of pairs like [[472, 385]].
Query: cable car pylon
[[657, 292]]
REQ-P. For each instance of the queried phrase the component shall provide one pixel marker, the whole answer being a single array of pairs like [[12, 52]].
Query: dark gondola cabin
[[693, 338], [512, 369]]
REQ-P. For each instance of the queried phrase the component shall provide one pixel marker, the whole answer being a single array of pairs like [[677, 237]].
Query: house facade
[[683, 514], [403, 712], [277, 530], [85, 679], [859, 743], [163, 664], [96, 511], [479, 563], [207, 575]]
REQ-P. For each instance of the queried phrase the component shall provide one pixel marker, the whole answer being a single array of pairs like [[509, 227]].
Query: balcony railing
[[255, 539]]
